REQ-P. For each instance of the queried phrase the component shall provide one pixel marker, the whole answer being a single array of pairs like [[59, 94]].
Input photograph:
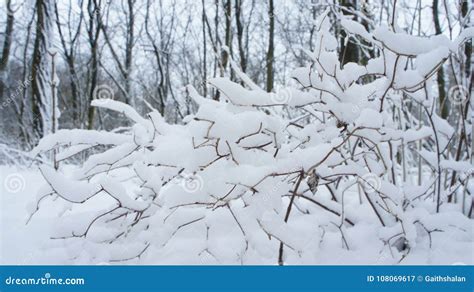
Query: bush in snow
[[239, 182]]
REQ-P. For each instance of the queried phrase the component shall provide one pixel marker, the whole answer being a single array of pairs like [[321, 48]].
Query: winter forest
[[238, 132]]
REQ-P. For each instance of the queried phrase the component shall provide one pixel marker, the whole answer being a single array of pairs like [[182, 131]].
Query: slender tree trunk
[[204, 44], [70, 59], [271, 46], [25, 135], [54, 104], [468, 44], [440, 75], [6, 48], [217, 44], [240, 34], [228, 35], [129, 51], [93, 33]]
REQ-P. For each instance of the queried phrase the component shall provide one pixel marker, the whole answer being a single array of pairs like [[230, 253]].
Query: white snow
[[30, 243]]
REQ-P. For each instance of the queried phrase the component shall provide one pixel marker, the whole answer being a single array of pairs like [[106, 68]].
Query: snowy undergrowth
[[31, 244], [330, 181]]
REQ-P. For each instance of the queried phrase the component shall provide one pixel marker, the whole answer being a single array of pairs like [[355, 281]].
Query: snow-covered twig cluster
[[239, 181]]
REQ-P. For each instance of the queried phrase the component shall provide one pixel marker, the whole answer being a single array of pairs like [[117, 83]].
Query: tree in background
[[271, 45], [6, 47], [144, 53], [42, 103]]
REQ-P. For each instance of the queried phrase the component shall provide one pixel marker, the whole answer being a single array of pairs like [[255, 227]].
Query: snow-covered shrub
[[239, 182]]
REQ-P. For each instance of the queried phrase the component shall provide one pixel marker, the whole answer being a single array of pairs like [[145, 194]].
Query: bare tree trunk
[[93, 32], [214, 41], [222, 63], [240, 34], [26, 77], [467, 46], [163, 69], [125, 67], [39, 69], [204, 54], [228, 35], [70, 58], [313, 26], [54, 104], [271, 46], [129, 51], [6, 48], [440, 75], [217, 43]]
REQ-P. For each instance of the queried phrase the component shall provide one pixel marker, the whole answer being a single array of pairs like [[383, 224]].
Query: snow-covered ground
[[30, 243], [23, 243]]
